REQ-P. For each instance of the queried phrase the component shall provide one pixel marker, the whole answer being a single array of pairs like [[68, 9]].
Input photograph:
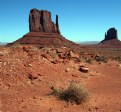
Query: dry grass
[[89, 61], [74, 93], [101, 59], [118, 58]]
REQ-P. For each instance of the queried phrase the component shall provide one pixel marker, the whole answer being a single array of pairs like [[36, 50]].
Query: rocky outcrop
[[84, 69], [111, 34], [111, 39], [40, 21], [44, 32]]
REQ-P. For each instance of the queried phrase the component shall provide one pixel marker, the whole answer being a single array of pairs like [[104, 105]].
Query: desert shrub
[[89, 61], [117, 59], [55, 91], [81, 52], [101, 59], [74, 93]]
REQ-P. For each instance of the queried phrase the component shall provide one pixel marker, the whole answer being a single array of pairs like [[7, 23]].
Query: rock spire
[[111, 34], [40, 21]]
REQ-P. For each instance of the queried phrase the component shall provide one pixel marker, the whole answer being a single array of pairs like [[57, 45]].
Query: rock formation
[[111, 34], [111, 38], [44, 32], [40, 21]]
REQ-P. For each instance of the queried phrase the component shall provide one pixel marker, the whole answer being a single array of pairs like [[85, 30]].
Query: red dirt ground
[[18, 93]]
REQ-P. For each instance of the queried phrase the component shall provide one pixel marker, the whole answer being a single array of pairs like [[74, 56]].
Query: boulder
[[84, 69], [73, 55], [33, 75]]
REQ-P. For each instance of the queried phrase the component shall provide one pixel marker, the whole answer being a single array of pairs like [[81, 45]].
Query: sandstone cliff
[[40, 21], [111, 38], [44, 32]]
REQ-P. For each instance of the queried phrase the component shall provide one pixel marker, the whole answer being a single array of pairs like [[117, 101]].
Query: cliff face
[[40, 21], [111, 38], [111, 34]]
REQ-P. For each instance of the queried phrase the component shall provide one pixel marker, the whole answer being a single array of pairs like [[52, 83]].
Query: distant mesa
[[44, 32], [111, 34], [111, 38]]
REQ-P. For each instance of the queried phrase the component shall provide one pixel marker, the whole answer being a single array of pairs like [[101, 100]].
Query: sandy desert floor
[[19, 93]]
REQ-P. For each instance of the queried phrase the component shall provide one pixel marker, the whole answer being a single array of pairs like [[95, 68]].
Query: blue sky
[[79, 20]]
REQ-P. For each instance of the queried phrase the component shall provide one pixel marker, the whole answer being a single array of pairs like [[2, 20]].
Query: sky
[[79, 20]]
